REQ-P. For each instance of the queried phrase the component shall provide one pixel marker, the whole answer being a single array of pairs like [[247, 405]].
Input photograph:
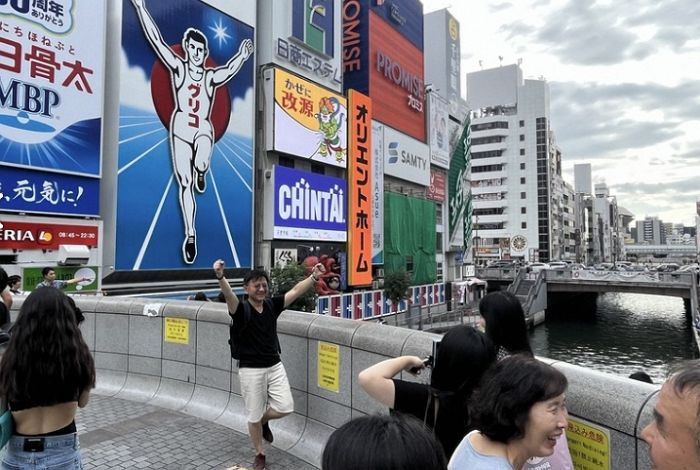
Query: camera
[[429, 361]]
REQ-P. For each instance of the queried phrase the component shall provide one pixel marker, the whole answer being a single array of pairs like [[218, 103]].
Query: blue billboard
[[52, 57], [405, 16], [309, 206], [40, 192], [185, 178]]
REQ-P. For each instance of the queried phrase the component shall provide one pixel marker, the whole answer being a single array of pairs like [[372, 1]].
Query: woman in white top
[[519, 412]]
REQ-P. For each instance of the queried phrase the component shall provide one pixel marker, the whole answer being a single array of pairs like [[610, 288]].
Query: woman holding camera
[[46, 373], [519, 411], [464, 355]]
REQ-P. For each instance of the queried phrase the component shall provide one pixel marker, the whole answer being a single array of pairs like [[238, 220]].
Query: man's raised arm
[[226, 73], [154, 37], [231, 298], [302, 286]]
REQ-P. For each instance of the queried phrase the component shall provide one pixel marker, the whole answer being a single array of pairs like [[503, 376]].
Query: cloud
[[517, 29], [135, 87], [584, 33], [669, 18], [595, 33], [495, 8], [593, 120], [242, 117]]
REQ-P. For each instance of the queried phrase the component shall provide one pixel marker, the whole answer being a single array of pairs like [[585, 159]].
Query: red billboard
[[436, 191], [396, 79], [46, 236]]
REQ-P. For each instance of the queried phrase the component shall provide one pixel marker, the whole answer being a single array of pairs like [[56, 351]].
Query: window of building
[[487, 168], [522, 166], [490, 125], [522, 137], [438, 271], [318, 168], [523, 195], [522, 151], [523, 225], [522, 123], [522, 180], [489, 154], [409, 264], [438, 214], [438, 241], [523, 210], [488, 140], [286, 161]]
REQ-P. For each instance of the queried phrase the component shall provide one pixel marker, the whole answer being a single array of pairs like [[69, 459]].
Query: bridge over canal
[[533, 288]]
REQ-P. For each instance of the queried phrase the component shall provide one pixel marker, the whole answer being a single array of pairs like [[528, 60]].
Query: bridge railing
[[636, 277], [375, 304]]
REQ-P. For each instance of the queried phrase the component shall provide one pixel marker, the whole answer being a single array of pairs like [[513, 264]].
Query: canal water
[[629, 332]]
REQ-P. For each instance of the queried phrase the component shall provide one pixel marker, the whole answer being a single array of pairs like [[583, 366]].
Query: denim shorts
[[53, 453]]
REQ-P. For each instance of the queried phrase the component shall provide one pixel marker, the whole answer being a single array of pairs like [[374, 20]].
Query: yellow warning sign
[[589, 445], [177, 330], [329, 366]]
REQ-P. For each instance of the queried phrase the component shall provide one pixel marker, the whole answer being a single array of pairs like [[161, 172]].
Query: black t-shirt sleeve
[[277, 305], [411, 398], [238, 314]]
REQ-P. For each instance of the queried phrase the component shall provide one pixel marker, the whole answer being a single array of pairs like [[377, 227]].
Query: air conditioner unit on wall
[[73, 255]]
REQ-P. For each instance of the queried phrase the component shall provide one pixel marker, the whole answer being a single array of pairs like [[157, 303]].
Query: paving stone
[[117, 434]]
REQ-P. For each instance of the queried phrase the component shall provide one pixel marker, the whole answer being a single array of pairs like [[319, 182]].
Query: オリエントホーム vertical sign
[[360, 183]]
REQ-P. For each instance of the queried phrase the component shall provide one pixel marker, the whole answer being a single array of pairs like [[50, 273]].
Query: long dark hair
[[505, 322], [47, 361], [464, 355]]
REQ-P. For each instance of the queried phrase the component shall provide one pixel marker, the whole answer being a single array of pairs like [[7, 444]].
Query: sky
[[624, 82]]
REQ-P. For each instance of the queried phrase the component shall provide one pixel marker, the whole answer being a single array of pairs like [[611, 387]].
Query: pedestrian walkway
[[120, 434]]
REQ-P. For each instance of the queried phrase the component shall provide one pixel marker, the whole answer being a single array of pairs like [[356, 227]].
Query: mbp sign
[[309, 206]]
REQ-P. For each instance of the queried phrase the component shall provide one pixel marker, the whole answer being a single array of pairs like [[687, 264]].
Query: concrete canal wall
[[175, 354]]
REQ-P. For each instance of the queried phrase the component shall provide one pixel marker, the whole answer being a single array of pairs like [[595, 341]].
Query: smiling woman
[[519, 412]]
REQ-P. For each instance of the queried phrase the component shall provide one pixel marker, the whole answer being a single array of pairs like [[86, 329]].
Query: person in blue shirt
[[49, 275]]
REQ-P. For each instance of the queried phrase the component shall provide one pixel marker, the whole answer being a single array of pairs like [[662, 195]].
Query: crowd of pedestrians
[[488, 404]]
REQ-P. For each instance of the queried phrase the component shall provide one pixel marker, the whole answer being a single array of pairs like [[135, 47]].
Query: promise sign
[[360, 181]]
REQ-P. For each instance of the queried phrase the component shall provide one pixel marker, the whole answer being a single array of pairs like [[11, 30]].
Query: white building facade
[[519, 197]]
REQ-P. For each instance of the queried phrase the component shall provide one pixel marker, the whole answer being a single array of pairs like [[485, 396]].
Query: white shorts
[[265, 387]]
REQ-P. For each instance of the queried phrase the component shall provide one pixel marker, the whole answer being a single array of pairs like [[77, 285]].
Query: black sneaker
[[259, 462], [267, 433], [200, 182], [189, 249]]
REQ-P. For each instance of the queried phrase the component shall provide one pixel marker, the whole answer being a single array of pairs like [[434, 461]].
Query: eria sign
[[38, 236]]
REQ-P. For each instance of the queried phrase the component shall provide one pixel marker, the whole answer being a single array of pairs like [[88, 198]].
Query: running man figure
[[191, 130]]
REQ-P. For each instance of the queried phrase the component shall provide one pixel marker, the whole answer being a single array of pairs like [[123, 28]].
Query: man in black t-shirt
[[264, 385]]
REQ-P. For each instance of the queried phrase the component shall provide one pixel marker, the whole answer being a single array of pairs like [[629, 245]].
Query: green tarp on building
[[409, 234]]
